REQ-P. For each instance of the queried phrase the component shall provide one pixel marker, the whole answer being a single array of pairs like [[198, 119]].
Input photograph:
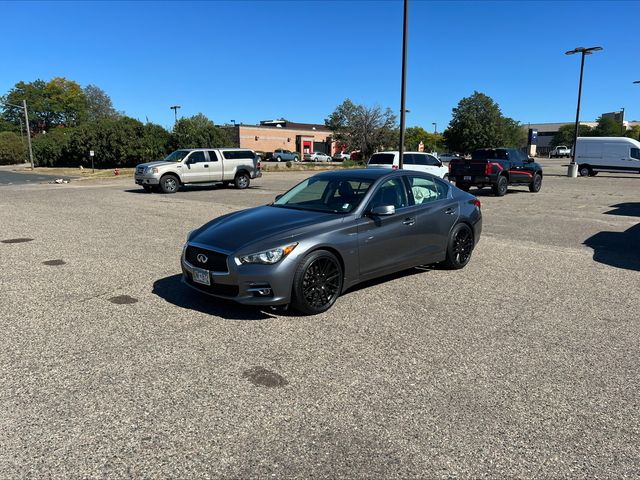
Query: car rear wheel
[[460, 247], [584, 170], [242, 181], [536, 183], [317, 283], [169, 184], [500, 189]]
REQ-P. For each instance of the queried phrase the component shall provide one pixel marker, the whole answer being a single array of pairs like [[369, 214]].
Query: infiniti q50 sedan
[[330, 232]]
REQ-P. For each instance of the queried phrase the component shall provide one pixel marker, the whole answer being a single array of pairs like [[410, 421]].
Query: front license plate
[[467, 178], [200, 275]]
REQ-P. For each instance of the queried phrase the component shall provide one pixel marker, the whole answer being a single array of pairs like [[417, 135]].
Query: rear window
[[489, 154], [238, 154], [381, 159]]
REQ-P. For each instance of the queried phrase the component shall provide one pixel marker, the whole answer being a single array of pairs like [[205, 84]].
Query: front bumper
[[245, 283], [147, 179]]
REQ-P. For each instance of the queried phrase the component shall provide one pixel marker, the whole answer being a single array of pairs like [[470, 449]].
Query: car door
[[196, 168], [216, 166], [516, 169], [384, 242], [435, 212]]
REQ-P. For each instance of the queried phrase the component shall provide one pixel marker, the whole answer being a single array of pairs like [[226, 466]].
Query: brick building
[[272, 134]]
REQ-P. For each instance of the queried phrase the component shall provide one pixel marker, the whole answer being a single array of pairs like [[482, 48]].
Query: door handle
[[409, 221], [206, 165], [450, 211]]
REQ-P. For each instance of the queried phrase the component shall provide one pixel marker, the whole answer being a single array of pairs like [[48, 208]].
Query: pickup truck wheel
[[500, 189], [317, 283], [242, 181], [584, 170], [169, 184], [536, 183], [459, 247]]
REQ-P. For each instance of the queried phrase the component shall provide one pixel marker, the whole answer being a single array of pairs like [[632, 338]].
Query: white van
[[607, 154], [419, 161]]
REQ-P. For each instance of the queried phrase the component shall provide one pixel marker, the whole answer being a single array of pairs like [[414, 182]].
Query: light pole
[[622, 120], [404, 83], [572, 171], [175, 111], [26, 119], [435, 127]]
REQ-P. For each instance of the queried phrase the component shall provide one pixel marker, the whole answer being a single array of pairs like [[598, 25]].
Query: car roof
[[368, 173], [211, 148]]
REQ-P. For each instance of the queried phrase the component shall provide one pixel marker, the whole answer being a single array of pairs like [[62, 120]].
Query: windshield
[[176, 156], [326, 194]]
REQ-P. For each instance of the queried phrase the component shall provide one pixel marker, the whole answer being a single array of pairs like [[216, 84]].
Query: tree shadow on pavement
[[618, 249], [177, 293]]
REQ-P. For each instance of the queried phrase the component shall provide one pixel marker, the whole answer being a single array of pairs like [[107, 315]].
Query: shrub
[[11, 148]]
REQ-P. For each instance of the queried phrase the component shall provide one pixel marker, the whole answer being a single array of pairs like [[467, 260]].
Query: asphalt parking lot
[[523, 364]]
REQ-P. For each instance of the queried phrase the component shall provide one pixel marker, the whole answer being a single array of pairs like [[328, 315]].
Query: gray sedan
[[330, 232]]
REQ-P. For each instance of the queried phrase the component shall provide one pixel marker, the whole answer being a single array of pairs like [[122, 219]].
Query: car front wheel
[[584, 170], [459, 247], [317, 283], [169, 184], [536, 183]]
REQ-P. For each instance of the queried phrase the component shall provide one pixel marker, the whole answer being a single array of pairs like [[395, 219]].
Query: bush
[[11, 148]]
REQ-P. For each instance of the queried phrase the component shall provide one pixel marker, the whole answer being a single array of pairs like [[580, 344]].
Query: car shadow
[[177, 293], [392, 276], [628, 209], [193, 188], [487, 192]]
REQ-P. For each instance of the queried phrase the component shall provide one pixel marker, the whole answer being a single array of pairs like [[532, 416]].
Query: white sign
[[91, 153]]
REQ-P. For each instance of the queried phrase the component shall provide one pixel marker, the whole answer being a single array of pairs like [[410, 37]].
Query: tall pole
[[404, 82], [575, 132], [26, 119]]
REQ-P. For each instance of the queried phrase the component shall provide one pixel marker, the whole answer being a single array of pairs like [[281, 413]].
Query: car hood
[[157, 163], [261, 224]]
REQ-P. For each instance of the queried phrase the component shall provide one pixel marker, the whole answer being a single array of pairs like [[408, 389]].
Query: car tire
[[500, 189], [463, 186], [536, 183], [148, 188], [169, 184], [585, 170], [278, 159], [295, 159], [459, 247], [317, 283], [241, 181]]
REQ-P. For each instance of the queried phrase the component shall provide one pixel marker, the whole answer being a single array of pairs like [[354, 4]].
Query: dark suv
[[497, 168]]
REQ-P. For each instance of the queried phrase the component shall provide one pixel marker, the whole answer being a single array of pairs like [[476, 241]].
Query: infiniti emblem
[[202, 258]]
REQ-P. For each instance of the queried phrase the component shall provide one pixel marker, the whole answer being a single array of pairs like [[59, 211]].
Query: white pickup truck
[[199, 165], [560, 151]]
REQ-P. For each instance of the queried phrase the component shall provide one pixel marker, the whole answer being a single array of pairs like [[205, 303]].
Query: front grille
[[215, 261], [215, 288]]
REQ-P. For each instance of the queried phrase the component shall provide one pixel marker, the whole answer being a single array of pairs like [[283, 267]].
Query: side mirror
[[383, 210]]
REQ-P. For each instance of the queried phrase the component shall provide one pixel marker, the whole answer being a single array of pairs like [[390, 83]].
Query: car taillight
[[487, 169], [394, 167], [476, 202], [259, 166]]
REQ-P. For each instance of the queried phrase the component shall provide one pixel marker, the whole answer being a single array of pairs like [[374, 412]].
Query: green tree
[[11, 148], [56, 102], [363, 128], [198, 132], [478, 122], [607, 127], [633, 132], [433, 142], [51, 149], [99, 105], [564, 135]]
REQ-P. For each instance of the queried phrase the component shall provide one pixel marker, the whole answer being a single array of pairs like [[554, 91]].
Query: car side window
[[425, 190], [635, 153], [408, 159], [391, 192], [419, 159], [213, 157], [197, 157], [431, 160]]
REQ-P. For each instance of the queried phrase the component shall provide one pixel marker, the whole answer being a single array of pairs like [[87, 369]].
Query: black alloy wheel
[[501, 188], [536, 183], [169, 184], [460, 247], [317, 283]]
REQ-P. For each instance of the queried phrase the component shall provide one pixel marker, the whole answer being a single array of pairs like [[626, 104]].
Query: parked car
[[497, 168], [447, 157], [281, 154], [330, 232], [607, 154], [418, 161], [560, 151], [341, 156], [199, 165], [317, 157]]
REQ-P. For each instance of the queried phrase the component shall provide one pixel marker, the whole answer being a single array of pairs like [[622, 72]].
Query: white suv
[[419, 161]]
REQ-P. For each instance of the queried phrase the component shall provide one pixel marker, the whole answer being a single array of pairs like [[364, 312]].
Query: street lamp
[[573, 168], [403, 87], [622, 120], [435, 127], [175, 111], [26, 119]]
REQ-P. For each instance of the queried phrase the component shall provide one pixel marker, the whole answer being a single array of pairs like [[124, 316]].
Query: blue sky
[[250, 61]]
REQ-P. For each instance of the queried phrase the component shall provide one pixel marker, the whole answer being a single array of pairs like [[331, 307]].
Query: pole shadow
[[177, 293]]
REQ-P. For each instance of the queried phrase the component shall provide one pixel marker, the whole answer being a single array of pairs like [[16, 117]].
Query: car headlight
[[152, 170], [268, 257]]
